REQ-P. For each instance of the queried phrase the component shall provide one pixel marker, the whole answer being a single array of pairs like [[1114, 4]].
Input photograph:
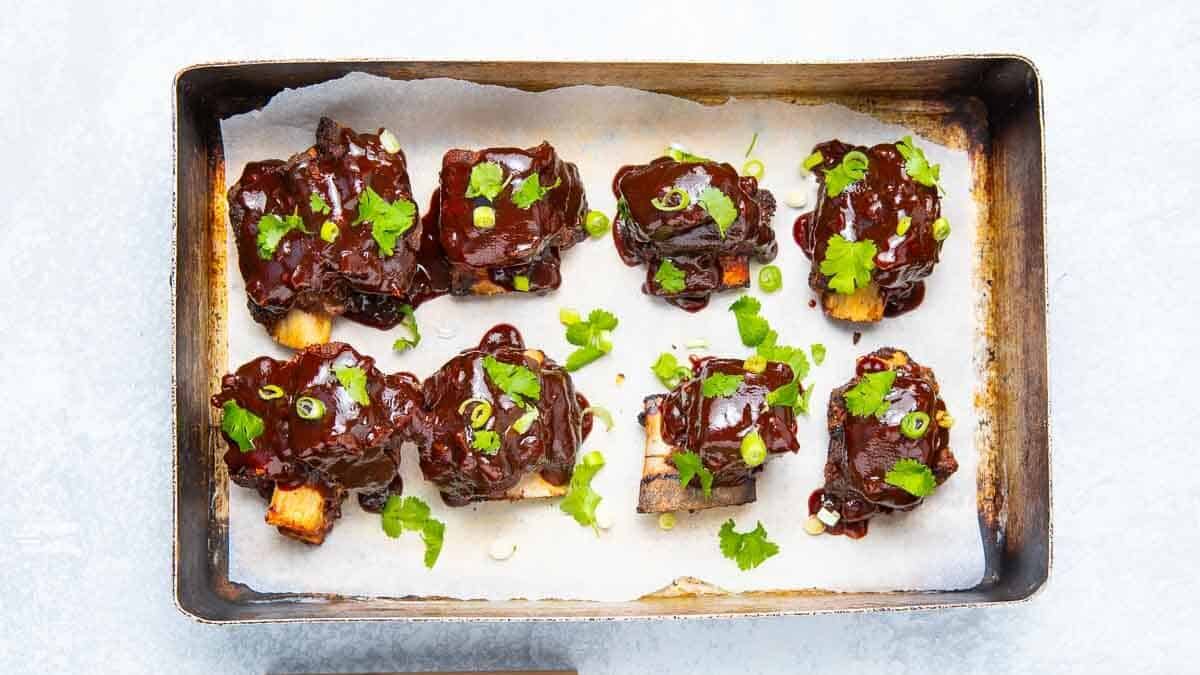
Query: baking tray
[[990, 104]]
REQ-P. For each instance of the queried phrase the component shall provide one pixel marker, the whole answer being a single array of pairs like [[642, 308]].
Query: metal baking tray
[[992, 103]]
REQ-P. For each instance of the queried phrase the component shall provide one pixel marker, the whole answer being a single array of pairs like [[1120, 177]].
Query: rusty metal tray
[[989, 104]]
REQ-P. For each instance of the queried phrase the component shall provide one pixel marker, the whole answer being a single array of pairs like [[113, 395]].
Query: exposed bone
[[533, 486], [863, 306], [299, 329]]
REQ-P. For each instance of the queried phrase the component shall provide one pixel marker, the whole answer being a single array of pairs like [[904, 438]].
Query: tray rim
[[1023, 598]]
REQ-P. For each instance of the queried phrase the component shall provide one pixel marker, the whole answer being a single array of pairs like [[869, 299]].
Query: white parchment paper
[[601, 129]]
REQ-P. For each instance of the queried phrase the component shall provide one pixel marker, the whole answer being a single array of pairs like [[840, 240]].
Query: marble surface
[[86, 185]]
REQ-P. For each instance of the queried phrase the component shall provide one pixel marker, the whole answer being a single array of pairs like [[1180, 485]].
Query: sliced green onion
[[770, 278], [698, 343], [755, 364], [753, 142], [596, 224], [594, 458], [666, 521], [941, 229], [521, 283], [330, 231], [813, 160], [914, 424], [601, 413], [568, 316], [522, 423], [462, 407], [310, 408], [903, 225], [480, 414], [754, 451], [270, 392], [484, 217], [754, 168], [661, 204]]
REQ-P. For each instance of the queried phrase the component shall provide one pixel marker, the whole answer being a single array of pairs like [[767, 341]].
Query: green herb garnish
[[310, 408], [753, 449], [748, 549], [521, 283], [669, 277], [753, 142], [270, 392], [911, 476], [330, 231], [483, 217], [818, 353], [720, 385], [354, 380], [317, 204], [596, 224], [788, 395], [592, 338], [866, 398], [852, 169], [689, 465], [241, 425], [793, 356], [813, 160], [666, 203], [915, 165], [389, 220], [941, 229], [754, 169], [272, 228], [531, 191], [601, 413], [848, 264], [683, 156], [487, 180], [581, 500], [412, 514], [720, 208], [409, 323], [914, 424], [751, 327], [669, 372], [770, 278], [485, 441], [518, 382]]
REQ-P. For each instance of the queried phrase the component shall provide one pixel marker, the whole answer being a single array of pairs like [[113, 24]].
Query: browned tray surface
[[989, 105]]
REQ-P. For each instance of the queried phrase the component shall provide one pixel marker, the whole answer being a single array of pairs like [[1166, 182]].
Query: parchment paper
[[601, 129]]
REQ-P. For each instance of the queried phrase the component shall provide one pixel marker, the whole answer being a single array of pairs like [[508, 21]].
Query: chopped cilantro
[[748, 549], [409, 322], [802, 406], [669, 277], [848, 264], [389, 220], [531, 191], [751, 327], [241, 425], [915, 165], [911, 476], [485, 441], [867, 397], [720, 208], [683, 156], [518, 382], [272, 228], [818, 353], [581, 500], [591, 336], [487, 180], [849, 171], [793, 356], [689, 465], [787, 395], [720, 385], [412, 514], [317, 204], [669, 372], [354, 380]]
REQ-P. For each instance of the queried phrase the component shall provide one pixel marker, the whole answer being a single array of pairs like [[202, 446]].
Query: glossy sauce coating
[[863, 449], [350, 276], [461, 259], [444, 435], [871, 209], [714, 427], [351, 447], [689, 237]]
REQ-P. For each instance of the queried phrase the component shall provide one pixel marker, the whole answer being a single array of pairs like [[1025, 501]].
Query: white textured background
[[85, 189]]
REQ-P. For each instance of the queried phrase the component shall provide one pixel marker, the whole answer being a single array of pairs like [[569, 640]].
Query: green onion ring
[[270, 392], [914, 424], [310, 408], [754, 450], [601, 413], [754, 169], [661, 204]]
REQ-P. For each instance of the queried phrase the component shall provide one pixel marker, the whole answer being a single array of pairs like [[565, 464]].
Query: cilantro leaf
[[485, 441], [669, 277], [915, 165], [848, 264], [517, 381], [669, 372], [581, 500], [272, 228], [683, 156], [690, 465], [410, 323], [787, 395], [792, 356], [389, 220], [581, 357], [802, 406], [911, 476], [748, 549], [849, 171], [241, 425], [751, 327], [591, 337], [720, 208], [818, 352], [354, 380], [317, 204], [412, 514], [602, 319], [719, 385], [530, 191], [487, 180], [867, 397]]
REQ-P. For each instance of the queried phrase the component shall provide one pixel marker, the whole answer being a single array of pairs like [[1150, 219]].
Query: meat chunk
[[907, 432], [885, 208], [714, 428], [499, 222], [331, 231], [305, 432], [500, 421], [695, 224]]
